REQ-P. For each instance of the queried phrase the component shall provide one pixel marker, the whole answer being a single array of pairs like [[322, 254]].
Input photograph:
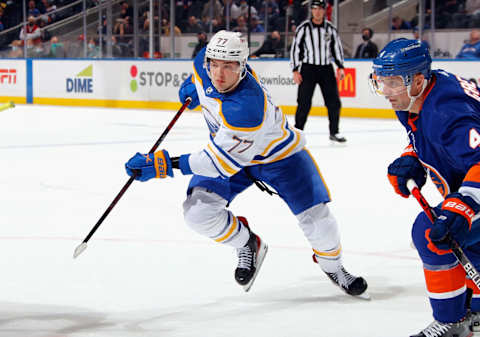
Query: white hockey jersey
[[246, 128]]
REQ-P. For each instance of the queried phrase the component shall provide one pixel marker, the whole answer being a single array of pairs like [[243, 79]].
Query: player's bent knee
[[203, 211], [320, 227], [421, 224]]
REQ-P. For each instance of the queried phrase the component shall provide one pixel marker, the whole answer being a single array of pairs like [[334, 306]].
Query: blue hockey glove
[[188, 89], [150, 165], [404, 168], [454, 219]]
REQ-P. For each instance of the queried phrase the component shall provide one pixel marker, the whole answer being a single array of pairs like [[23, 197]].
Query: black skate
[[336, 138], [475, 323], [438, 329], [250, 258], [352, 285]]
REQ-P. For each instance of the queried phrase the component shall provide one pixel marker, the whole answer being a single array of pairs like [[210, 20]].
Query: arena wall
[[154, 83]]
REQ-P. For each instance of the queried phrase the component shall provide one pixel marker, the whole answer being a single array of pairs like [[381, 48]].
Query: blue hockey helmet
[[403, 57]]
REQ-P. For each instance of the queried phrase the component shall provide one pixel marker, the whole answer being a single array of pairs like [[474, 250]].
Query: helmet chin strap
[[414, 98]]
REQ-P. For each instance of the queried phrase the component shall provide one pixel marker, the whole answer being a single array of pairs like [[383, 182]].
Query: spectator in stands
[[44, 33], [126, 10], [16, 49], [272, 14], [218, 24], [367, 49], [272, 46], [57, 49], [212, 12], [49, 15], [244, 9], [472, 8], [32, 32], [166, 28], [32, 9], [202, 42], [241, 25], [445, 13], [398, 23], [235, 10], [2, 26], [416, 36], [193, 25], [471, 49], [255, 26], [93, 51], [195, 8]]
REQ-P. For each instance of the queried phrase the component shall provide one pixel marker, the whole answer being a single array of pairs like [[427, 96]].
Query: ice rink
[[145, 273]]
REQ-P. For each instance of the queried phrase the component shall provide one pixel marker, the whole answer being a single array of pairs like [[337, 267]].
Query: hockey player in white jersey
[[250, 141]]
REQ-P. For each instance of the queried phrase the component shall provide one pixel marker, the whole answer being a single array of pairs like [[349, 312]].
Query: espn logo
[[8, 76]]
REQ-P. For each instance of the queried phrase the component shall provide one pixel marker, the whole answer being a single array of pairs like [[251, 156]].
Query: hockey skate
[[438, 329], [250, 259], [352, 285], [475, 323]]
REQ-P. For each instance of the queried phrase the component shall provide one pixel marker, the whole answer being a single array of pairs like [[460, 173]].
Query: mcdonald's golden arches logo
[[347, 86]]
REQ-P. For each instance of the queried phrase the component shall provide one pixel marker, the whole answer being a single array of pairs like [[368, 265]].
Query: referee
[[315, 43]]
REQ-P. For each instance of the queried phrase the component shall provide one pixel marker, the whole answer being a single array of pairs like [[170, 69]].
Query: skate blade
[[338, 144], [364, 296], [260, 257]]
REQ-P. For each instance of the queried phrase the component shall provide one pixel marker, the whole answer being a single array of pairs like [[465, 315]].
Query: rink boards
[[155, 83]]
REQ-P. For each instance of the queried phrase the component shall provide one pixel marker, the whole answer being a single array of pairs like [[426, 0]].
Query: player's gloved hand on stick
[[404, 168], [150, 165], [188, 89], [454, 218]]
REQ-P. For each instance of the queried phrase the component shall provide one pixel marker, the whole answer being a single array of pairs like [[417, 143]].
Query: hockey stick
[[456, 249], [7, 105], [81, 247]]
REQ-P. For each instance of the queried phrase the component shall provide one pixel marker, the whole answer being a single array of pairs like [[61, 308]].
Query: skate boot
[[336, 138], [475, 322], [250, 259], [438, 329], [352, 285]]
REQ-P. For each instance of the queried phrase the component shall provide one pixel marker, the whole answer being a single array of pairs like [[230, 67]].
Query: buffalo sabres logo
[[209, 90]]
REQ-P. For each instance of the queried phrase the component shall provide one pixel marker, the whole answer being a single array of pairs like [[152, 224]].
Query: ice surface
[[145, 273]]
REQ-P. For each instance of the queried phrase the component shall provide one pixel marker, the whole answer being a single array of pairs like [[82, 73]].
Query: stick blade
[[12, 104], [79, 250]]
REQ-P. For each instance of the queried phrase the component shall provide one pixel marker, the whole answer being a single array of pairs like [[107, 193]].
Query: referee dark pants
[[325, 77]]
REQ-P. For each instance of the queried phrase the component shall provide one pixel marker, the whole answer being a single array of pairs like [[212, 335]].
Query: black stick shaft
[[456, 249], [132, 178]]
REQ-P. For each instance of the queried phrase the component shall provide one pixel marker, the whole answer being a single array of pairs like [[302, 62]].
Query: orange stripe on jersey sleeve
[[444, 281], [473, 174]]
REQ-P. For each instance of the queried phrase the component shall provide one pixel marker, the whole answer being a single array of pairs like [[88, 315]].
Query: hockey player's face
[[224, 74], [393, 88]]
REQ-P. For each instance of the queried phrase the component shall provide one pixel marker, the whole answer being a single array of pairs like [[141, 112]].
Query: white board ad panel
[[159, 80], [110, 80]]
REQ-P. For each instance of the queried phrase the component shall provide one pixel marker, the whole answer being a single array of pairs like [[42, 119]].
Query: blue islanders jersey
[[445, 134], [246, 128]]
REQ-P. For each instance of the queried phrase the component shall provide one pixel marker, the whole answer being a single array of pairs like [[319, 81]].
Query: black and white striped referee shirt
[[316, 44]]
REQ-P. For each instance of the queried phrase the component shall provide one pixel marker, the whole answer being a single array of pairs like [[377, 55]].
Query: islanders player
[[441, 114], [250, 141]]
